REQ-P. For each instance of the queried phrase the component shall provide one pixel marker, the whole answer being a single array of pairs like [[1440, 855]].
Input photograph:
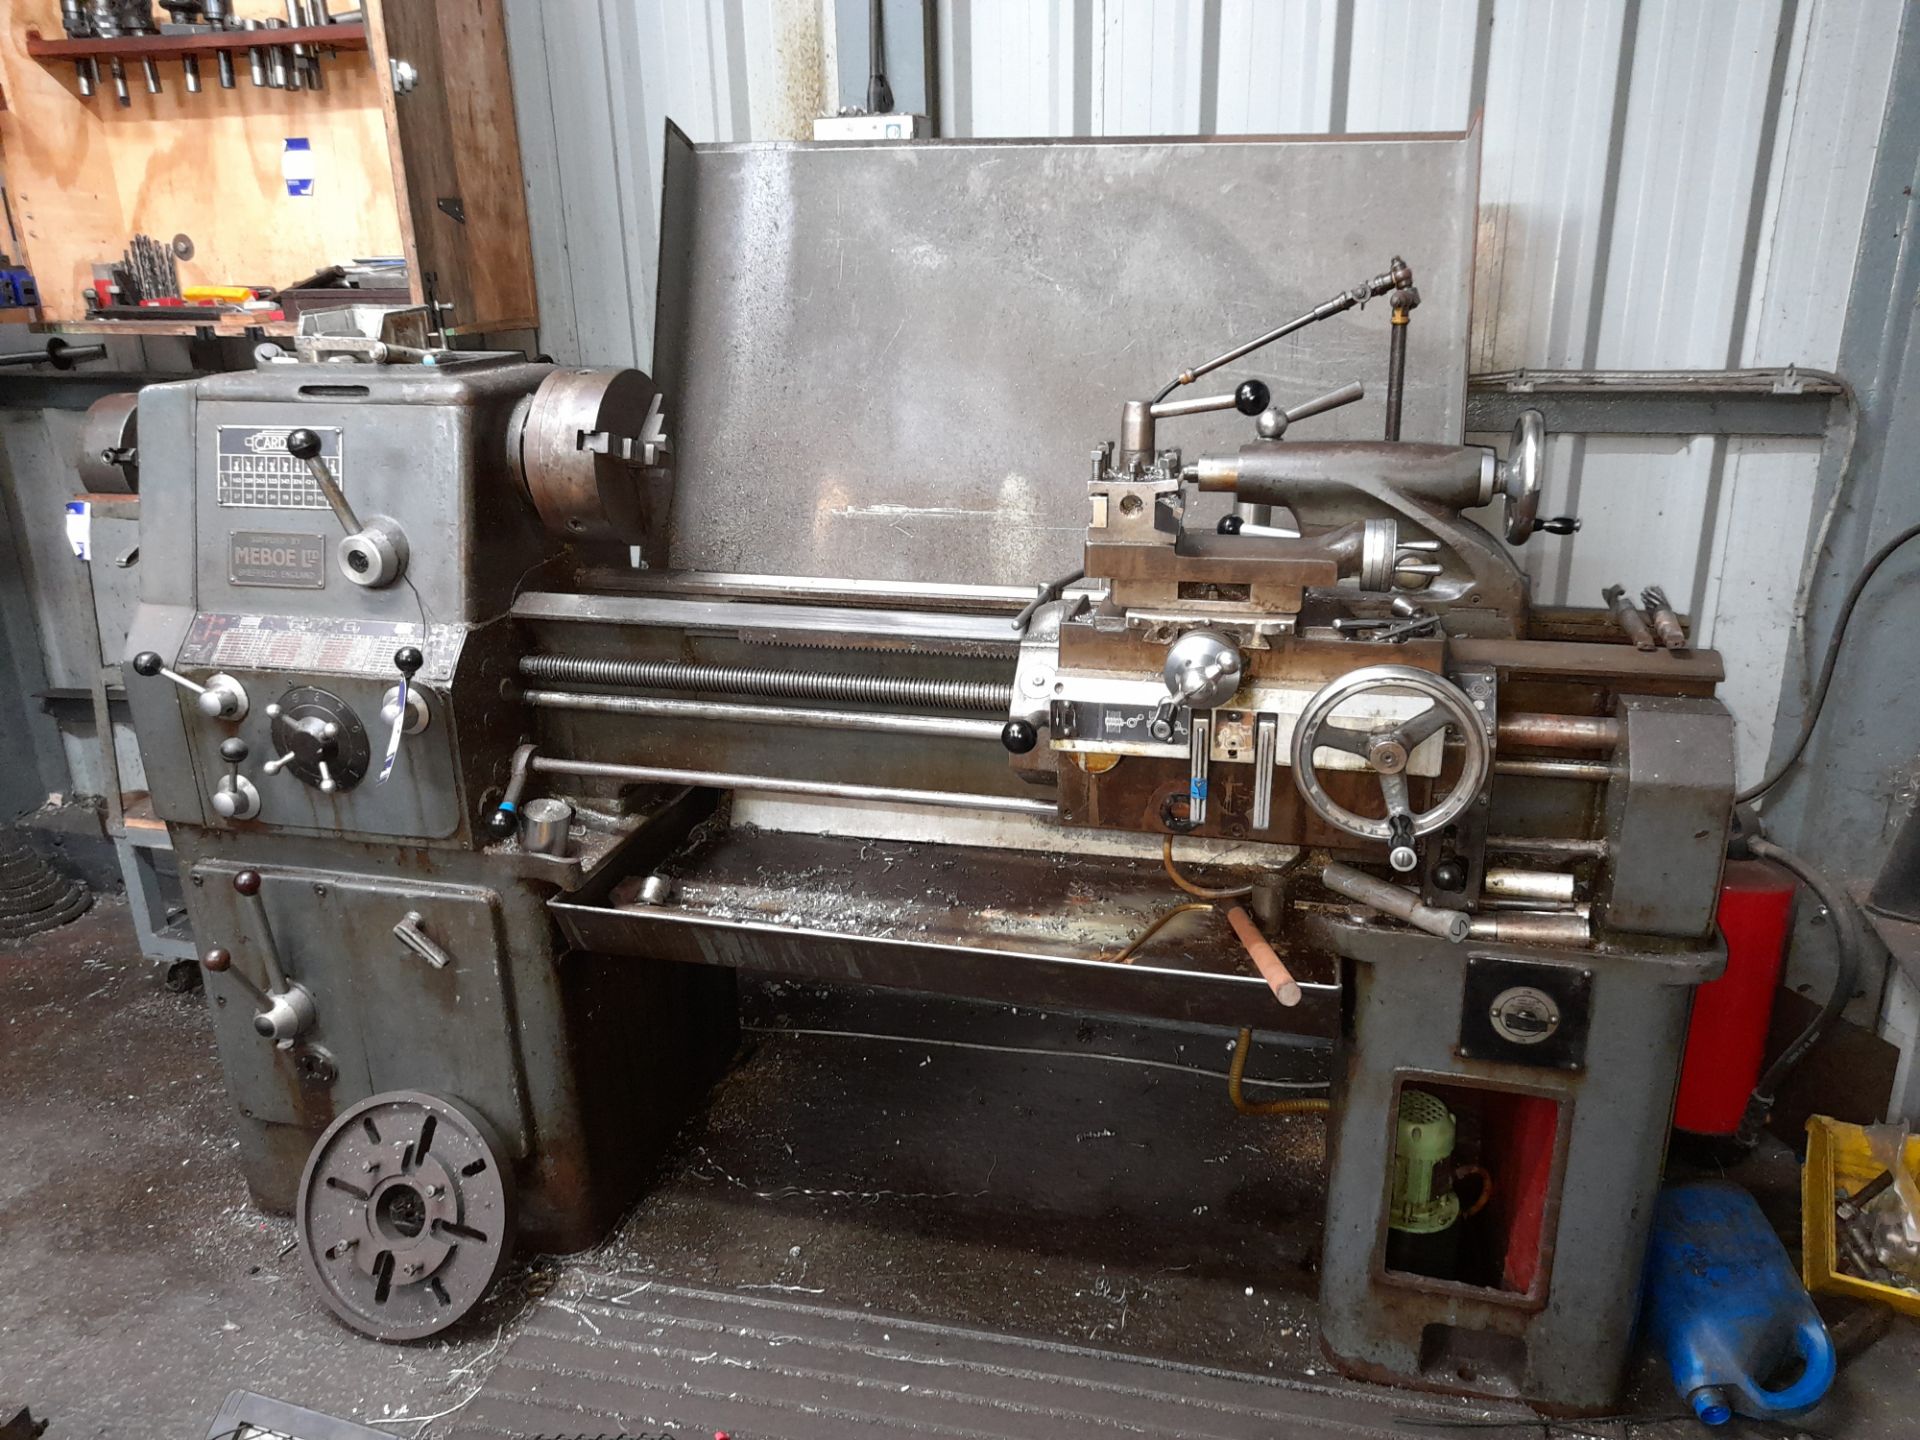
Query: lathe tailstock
[[500, 711]]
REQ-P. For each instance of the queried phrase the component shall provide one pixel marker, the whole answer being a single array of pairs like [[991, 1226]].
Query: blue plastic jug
[[1726, 1309]]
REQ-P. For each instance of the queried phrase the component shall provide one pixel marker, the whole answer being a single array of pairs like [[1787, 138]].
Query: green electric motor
[[1423, 1210]]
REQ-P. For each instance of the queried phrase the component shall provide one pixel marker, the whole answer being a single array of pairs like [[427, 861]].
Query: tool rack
[[415, 152]]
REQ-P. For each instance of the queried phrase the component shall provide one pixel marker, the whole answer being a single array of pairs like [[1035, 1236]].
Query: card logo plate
[[253, 468]]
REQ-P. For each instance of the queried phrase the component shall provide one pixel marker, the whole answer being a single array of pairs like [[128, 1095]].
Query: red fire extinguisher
[[1727, 1036]]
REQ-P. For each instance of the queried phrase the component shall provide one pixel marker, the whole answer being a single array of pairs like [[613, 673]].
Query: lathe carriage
[[501, 710]]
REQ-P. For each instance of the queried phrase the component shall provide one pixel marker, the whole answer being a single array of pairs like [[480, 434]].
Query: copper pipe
[[1199, 892], [1272, 969], [1535, 731], [1125, 957]]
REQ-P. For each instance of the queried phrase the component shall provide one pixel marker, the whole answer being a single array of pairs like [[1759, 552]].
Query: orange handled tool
[[1279, 979]]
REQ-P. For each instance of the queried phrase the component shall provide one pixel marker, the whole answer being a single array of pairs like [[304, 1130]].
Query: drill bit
[[1666, 623], [1630, 620], [256, 57], [104, 19], [219, 15], [74, 20], [279, 72], [296, 54]]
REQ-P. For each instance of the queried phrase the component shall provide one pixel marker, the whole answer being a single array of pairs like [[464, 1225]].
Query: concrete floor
[[1105, 1204]]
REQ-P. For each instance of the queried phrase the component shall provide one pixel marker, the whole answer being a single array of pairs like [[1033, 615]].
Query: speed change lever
[[402, 707], [373, 554]]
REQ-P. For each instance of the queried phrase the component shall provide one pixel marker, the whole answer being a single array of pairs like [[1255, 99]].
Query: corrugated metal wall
[[1666, 184]]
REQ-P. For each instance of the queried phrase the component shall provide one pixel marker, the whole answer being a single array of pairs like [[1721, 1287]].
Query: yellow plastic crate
[[1837, 1155]]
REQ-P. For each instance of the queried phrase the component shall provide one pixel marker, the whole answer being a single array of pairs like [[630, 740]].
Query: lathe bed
[[1020, 926]]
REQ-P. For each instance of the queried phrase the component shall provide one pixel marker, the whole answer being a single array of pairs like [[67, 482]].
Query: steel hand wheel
[[1386, 745]]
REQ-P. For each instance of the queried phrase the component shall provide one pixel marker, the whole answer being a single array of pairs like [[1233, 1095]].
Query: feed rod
[[775, 785], [937, 725], [992, 696]]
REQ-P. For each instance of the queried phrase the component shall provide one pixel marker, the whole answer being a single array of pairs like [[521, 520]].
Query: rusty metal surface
[[1680, 672], [890, 361], [1135, 795], [583, 453], [1010, 925]]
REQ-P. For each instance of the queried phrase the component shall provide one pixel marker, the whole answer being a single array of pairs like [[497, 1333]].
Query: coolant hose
[[1849, 946], [1306, 1105]]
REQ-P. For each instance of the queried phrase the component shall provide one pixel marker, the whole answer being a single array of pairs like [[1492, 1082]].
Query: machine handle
[[235, 797], [286, 1009], [402, 707], [408, 932], [219, 961], [1389, 899], [222, 699], [246, 883], [304, 445], [149, 664], [1249, 397]]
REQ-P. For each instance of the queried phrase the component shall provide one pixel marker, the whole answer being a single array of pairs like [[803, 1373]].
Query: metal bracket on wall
[[1788, 402]]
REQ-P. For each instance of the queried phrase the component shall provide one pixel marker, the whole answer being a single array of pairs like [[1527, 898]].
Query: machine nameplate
[[313, 644], [276, 558], [1525, 1012], [1524, 1015], [254, 470], [1097, 723]]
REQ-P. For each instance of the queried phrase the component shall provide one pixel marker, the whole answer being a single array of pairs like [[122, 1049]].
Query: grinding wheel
[[406, 1214]]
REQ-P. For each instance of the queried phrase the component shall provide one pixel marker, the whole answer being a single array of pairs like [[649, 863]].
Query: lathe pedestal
[[1559, 1066]]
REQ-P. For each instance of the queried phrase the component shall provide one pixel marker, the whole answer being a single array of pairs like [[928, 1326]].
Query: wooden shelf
[[172, 47], [20, 315], [432, 175]]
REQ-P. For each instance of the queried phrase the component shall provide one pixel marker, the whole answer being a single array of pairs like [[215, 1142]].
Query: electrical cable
[[879, 92], [1849, 945], [1039, 1050], [1818, 698]]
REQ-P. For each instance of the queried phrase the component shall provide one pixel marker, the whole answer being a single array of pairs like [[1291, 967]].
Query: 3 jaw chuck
[[591, 450]]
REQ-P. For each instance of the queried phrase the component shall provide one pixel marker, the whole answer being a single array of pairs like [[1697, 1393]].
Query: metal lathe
[[932, 617]]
